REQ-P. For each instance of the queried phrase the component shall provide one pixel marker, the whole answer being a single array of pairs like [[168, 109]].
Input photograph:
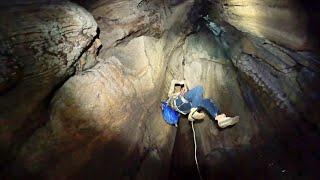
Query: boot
[[224, 121], [195, 115]]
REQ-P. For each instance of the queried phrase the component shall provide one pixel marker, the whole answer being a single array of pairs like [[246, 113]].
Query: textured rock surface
[[271, 69], [269, 75], [108, 116], [66, 113], [201, 62], [104, 120], [40, 45], [284, 22], [120, 21]]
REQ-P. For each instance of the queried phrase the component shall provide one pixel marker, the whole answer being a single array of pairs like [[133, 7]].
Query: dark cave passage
[[81, 84]]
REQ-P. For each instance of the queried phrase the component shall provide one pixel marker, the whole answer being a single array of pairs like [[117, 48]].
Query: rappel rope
[[195, 150], [194, 135]]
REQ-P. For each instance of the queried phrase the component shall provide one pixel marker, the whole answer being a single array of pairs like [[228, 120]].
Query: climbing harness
[[195, 150], [183, 102]]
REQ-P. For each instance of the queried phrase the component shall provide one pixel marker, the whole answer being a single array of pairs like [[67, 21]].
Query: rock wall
[[291, 23], [268, 75], [106, 116], [276, 70], [41, 45], [80, 89], [102, 125], [200, 61]]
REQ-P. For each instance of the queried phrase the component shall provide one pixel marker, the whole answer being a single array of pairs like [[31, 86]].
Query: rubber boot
[[224, 121]]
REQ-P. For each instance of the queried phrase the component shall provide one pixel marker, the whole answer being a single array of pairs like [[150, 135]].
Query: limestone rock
[[120, 21], [272, 68], [10, 73], [102, 119], [283, 22], [200, 61], [75, 107], [90, 57], [108, 115], [40, 43], [275, 84]]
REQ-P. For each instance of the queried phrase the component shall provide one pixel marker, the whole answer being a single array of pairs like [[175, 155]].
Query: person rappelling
[[181, 100], [191, 103]]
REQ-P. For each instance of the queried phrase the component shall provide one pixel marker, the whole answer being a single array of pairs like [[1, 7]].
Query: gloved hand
[[194, 115], [190, 118]]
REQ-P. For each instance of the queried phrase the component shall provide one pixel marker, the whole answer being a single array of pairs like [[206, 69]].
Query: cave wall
[[104, 114], [270, 74], [291, 23], [275, 77], [276, 69], [39, 50], [200, 61], [80, 89]]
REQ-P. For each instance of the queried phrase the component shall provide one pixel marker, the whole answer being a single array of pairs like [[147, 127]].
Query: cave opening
[[80, 98]]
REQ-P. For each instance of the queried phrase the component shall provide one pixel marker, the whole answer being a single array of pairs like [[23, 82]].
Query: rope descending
[[195, 150]]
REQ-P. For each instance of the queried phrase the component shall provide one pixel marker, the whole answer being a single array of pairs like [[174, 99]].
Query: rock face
[[80, 89], [268, 75], [274, 69], [202, 62], [105, 121], [108, 116], [40, 46], [289, 23]]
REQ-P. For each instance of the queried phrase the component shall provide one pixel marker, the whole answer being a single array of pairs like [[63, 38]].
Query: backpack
[[169, 114]]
